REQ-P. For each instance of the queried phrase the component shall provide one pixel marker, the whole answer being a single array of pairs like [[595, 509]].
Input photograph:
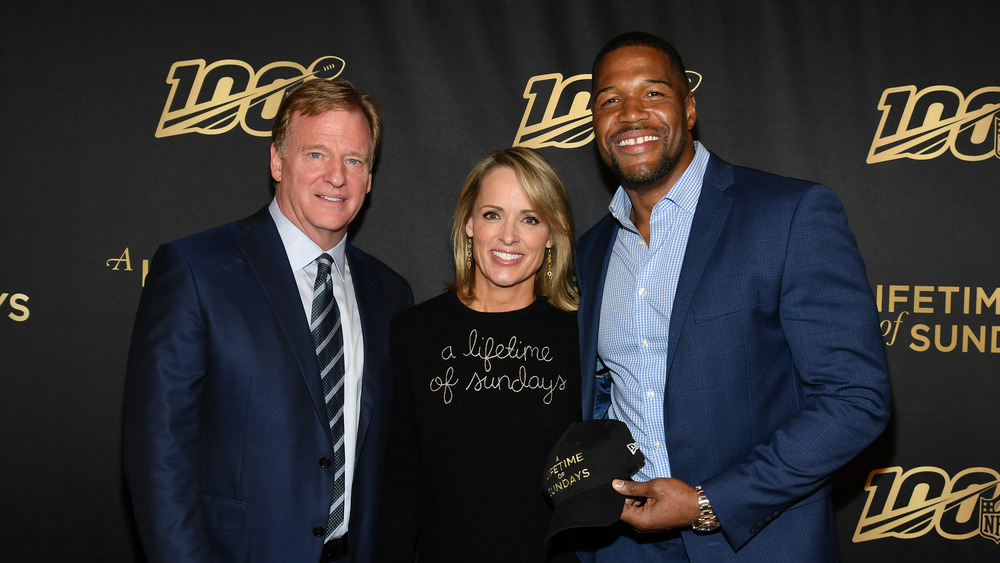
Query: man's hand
[[658, 505]]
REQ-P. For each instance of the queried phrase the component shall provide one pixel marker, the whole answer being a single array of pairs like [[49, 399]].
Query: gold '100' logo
[[212, 98], [926, 124], [910, 504], [558, 111]]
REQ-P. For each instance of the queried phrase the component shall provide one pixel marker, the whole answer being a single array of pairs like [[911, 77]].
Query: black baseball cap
[[579, 471]]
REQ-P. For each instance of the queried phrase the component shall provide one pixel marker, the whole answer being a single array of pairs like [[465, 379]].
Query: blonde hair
[[545, 191]]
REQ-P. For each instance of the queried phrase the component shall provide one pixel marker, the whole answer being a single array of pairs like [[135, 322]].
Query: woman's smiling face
[[508, 241]]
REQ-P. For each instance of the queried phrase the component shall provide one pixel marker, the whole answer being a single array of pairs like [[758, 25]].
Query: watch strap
[[707, 520]]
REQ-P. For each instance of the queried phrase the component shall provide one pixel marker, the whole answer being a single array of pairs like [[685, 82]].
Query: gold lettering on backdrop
[[911, 504], [558, 111], [118, 261], [17, 302], [925, 124], [124, 263], [944, 299], [976, 308], [946, 338], [213, 98], [890, 329]]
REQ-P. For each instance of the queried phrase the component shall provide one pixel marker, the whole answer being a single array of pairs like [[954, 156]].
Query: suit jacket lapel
[[593, 269], [709, 219], [266, 255], [368, 291]]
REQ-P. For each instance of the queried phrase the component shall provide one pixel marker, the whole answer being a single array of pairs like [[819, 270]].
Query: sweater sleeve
[[398, 529]]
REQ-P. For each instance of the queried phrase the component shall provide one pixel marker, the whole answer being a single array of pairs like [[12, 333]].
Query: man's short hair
[[642, 39], [316, 97]]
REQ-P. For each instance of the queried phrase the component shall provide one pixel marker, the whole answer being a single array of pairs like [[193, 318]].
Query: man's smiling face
[[324, 174], [643, 114]]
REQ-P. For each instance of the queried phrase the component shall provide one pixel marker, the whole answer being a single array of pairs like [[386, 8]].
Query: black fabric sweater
[[479, 401]]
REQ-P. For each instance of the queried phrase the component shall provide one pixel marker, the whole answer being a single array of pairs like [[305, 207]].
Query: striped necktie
[[328, 338]]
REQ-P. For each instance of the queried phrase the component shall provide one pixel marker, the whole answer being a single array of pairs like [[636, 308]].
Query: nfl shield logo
[[989, 518], [996, 132]]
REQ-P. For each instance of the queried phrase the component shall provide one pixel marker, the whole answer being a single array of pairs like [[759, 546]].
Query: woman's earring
[[468, 254], [548, 261]]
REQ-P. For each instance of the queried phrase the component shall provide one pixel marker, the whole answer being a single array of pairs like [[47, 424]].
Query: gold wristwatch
[[707, 521]]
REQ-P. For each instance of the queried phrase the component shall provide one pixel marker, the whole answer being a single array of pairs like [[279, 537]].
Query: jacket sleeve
[[829, 326], [164, 384]]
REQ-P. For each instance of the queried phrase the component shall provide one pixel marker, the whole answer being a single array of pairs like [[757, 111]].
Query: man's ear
[[690, 110], [276, 166]]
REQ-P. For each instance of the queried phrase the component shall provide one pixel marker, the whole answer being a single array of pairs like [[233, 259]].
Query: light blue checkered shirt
[[635, 313]]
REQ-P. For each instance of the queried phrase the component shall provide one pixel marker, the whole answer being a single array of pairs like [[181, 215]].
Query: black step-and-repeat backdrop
[[125, 126]]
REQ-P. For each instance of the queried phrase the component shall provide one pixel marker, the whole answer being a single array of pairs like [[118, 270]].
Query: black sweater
[[479, 401]]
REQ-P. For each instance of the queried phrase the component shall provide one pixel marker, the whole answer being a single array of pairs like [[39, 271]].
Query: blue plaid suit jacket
[[776, 373]]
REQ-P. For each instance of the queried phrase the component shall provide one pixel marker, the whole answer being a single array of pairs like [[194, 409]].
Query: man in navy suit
[[227, 439], [729, 323]]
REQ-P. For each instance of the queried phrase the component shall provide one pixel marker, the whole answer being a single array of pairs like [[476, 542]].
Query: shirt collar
[[684, 193], [301, 250]]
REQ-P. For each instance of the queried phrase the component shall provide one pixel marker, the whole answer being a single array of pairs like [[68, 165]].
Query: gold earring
[[468, 253], [548, 261]]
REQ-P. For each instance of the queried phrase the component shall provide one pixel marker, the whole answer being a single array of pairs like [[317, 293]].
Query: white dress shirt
[[302, 253]]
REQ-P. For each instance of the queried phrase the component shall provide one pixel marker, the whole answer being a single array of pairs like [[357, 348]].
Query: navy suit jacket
[[776, 373], [225, 423]]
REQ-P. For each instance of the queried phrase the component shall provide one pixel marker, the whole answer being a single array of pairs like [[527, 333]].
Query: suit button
[[319, 532], [324, 462]]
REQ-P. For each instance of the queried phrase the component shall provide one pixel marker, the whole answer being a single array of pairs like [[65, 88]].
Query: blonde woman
[[486, 376]]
